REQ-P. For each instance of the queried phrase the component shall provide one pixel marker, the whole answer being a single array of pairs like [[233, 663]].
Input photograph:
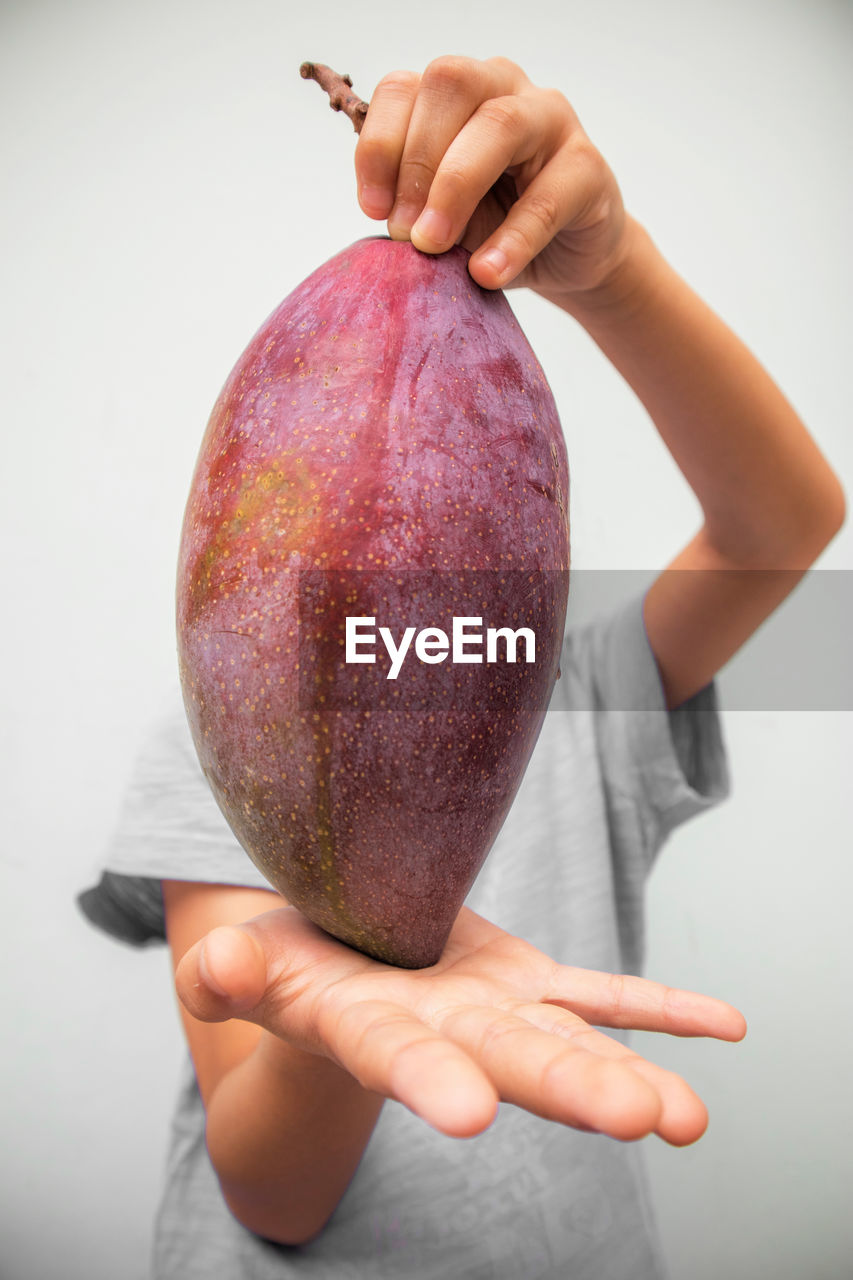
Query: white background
[[168, 179]]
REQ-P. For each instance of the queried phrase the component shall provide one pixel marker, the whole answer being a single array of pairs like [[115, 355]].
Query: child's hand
[[495, 1018], [473, 153]]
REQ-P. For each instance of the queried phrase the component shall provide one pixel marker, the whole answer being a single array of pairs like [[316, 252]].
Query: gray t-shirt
[[612, 775]]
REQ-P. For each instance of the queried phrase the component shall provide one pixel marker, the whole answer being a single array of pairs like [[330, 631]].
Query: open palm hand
[[494, 1019]]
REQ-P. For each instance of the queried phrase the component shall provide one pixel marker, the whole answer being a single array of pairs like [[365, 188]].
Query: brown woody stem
[[339, 89]]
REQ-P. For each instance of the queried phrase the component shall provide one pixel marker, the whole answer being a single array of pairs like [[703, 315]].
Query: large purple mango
[[386, 448]]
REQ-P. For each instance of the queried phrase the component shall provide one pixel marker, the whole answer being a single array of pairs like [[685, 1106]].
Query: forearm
[[768, 496], [285, 1133]]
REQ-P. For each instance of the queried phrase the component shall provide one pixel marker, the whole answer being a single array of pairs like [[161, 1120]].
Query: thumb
[[223, 975]]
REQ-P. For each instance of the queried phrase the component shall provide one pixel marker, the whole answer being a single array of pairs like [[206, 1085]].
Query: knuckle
[[391, 1020], [543, 207], [498, 1032], [452, 182], [669, 1006], [558, 104], [416, 175], [368, 1022], [617, 994], [506, 67], [450, 72], [414, 1047], [373, 152], [398, 83], [522, 234], [590, 157], [552, 1076], [538, 218], [504, 113], [356, 1033]]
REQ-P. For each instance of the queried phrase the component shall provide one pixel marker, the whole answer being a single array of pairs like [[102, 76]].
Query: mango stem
[[337, 87]]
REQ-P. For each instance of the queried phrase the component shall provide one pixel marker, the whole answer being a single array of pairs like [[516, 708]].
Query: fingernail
[[401, 221], [376, 201], [432, 230], [496, 259], [205, 974]]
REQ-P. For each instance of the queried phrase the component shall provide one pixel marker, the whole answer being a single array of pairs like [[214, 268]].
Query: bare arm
[[770, 501]]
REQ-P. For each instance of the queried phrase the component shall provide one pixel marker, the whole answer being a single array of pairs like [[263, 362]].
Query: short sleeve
[[169, 828], [659, 767]]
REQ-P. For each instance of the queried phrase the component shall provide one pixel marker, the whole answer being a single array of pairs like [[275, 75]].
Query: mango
[[372, 587]]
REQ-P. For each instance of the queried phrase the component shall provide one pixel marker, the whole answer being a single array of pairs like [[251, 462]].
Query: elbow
[[272, 1222], [790, 537], [809, 504], [838, 507], [825, 519]]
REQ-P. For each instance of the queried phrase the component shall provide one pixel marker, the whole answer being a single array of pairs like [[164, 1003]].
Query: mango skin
[[388, 444]]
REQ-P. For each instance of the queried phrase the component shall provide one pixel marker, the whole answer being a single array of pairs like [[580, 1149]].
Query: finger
[[531, 1069], [257, 969], [222, 975], [380, 143], [392, 1052], [684, 1116], [623, 1000], [450, 91], [562, 194], [503, 132]]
